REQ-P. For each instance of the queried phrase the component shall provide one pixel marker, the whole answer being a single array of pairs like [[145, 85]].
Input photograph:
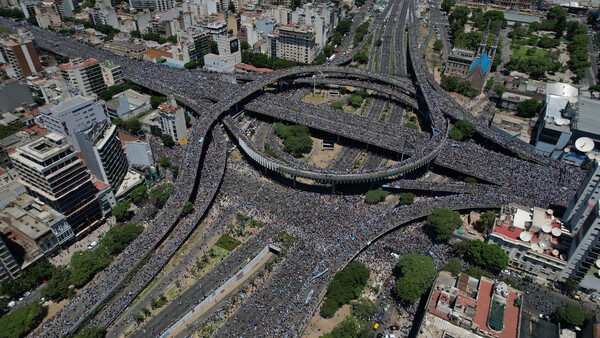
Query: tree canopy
[[296, 138], [486, 255], [346, 285], [443, 222], [92, 332], [363, 308], [528, 108], [165, 161], [23, 320], [570, 314], [167, 140], [486, 221], [454, 266], [121, 210], [406, 198], [160, 194], [416, 274], [375, 196], [58, 288], [138, 194], [351, 327]]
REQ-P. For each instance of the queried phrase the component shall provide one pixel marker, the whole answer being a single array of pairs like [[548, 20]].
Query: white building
[[103, 15], [293, 43], [172, 121], [66, 117], [84, 76]]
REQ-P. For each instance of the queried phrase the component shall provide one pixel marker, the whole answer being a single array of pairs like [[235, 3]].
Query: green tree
[[121, 210], [21, 321], [346, 285], [486, 255], [570, 314], [500, 89], [455, 134], [119, 237], [363, 308], [355, 101], [136, 34], [470, 179], [486, 221], [160, 194], [138, 194], [443, 222], [438, 45], [92, 332], [558, 16], [466, 128], [165, 162], [447, 5], [375, 196], [361, 57], [476, 273], [454, 266], [337, 105], [351, 327], [328, 308], [231, 7], [156, 100], [528, 108], [58, 288], [167, 140], [411, 125], [406, 198], [188, 207], [245, 45], [174, 170], [415, 275]]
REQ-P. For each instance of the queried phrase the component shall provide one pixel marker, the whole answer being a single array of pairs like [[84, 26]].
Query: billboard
[[234, 45]]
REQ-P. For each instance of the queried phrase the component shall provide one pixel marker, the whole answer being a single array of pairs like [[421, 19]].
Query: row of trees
[[341, 29], [109, 92], [23, 320], [360, 33]]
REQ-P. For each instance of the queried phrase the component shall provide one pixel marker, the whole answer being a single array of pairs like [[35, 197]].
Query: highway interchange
[[541, 181]]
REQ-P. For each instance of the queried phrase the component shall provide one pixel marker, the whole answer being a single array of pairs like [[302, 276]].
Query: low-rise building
[[126, 48], [467, 307], [128, 104], [510, 100]]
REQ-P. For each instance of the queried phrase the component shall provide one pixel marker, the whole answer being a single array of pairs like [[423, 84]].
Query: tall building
[[229, 47], [172, 121], [52, 172], [294, 44], [68, 116], [583, 217], [9, 268], [102, 152], [20, 53], [103, 15], [112, 74], [193, 44], [84, 76]]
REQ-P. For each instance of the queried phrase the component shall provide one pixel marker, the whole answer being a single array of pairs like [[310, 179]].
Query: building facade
[[172, 121], [294, 44], [112, 74], [102, 152], [583, 217], [51, 171], [20, 53], [84, 76], [68, 116]]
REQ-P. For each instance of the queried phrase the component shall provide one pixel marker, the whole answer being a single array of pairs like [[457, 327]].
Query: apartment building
[[84, 76], [102, 152], [112, 74], [172, 121], [69, 116], [51, 171], [20, 53], [294, 44]]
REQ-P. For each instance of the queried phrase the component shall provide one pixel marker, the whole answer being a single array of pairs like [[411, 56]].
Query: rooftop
[[81, 64], [589, 115]]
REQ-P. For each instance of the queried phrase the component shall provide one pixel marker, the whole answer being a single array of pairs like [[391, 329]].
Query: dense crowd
[[331, 234]]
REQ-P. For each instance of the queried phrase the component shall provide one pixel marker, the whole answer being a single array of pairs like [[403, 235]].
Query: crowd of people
[[331, 234]]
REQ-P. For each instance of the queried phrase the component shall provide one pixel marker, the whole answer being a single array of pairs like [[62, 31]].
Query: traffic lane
[[540, 300], [591, 72]]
